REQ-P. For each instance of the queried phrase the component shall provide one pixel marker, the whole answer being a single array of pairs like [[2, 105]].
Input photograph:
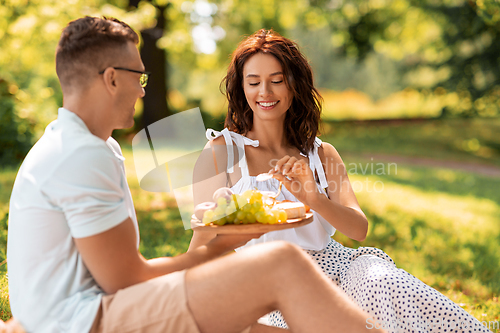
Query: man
[[74, 264]]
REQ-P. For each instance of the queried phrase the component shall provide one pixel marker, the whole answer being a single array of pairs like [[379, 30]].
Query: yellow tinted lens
[[143, 80]]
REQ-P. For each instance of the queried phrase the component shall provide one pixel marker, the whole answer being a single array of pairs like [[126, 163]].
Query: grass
[[7, 177], [440, 225], [466, 140]]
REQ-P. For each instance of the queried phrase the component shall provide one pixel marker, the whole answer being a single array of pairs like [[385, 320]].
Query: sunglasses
[[143, 80]]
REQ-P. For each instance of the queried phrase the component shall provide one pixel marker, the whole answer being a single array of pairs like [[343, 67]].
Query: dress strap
[[240, 142], [315, 163], [212, 134]]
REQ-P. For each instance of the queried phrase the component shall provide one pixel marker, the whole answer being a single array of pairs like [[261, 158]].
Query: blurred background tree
[[372, 59], [396, 59], [444, 47], [15, 133], [489, 10], [155, 105]]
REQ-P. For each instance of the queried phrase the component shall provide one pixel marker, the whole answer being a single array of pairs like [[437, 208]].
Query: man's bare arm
[[115, 263]]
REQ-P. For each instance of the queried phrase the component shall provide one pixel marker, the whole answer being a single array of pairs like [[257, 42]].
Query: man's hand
[[228, 242], [223, 242]]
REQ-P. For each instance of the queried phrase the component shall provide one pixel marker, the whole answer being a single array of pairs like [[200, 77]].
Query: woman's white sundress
[[395, 299]]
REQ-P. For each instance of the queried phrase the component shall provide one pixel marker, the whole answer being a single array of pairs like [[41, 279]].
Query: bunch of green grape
[[248, 207]]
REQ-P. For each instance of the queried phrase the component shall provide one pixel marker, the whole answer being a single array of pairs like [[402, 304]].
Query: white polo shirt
[[72, 184]]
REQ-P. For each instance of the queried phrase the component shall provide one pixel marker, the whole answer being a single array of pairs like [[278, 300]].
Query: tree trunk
[[155, 61]]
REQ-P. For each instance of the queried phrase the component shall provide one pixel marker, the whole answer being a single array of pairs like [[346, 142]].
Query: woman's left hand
[[297, 178]]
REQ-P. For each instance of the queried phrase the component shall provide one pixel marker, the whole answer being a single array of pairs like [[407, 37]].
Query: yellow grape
[[230, 210], [221, 201], [256, 197], [248, 207], [260, 216], [219, 211], [241, 201], [247, 194], [220, 221], [240, 215], [250, 218], [208, 217]]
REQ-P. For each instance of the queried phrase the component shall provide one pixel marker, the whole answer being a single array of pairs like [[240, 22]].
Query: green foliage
[[449, 49], [29, 32], [472, 61], [15, 134], [444, 49], [489, 10], [442, 46], [377, 75]]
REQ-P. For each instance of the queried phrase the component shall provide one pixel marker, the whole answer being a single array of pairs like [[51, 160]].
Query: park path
[[478, 168]]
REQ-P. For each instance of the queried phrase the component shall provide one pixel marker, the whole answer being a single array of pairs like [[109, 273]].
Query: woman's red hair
[[303, 117]]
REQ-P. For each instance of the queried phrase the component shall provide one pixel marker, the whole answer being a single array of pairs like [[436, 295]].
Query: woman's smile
[[265, 105]]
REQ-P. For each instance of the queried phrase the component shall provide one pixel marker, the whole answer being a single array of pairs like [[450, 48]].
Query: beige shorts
[[158, 305]]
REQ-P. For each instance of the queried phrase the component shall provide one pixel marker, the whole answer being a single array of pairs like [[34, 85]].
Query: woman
[[272, 122]]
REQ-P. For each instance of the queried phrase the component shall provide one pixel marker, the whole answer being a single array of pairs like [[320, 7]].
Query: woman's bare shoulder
[[328, 152]]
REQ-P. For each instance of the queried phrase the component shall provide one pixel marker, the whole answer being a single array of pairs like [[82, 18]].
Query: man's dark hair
[[89, 45]]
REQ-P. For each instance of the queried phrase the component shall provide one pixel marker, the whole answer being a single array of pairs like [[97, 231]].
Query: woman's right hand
[[297, 178]]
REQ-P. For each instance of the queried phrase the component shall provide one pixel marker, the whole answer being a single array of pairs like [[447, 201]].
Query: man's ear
[[109, 77]]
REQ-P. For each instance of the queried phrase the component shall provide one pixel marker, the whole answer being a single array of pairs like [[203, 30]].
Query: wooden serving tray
[[253, 228]]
